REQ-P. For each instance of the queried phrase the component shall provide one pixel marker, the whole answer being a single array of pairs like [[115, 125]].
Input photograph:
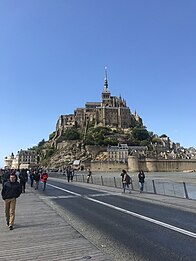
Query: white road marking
[[157, 222], [100, 195], [177, 229], [68, 191], [56, 197], [47, 197], [70, 196]]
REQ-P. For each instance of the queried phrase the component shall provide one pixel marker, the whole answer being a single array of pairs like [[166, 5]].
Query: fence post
[[76, 177], [115, 182], [83, 178], [102, 181], [132, 184], [185, 191], [154, 188]]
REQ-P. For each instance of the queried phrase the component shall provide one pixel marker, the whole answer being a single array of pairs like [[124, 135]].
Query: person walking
[[44, 178], [36, 179], [72, 174], [17, 173], [68, 173], [141, 177], [10, 192], [31, 176], [89, 175], [126, 180], [23, 176], [5, 177]]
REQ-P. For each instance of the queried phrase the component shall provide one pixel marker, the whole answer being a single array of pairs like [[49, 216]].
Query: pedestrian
[[17, 173], [36, 179], [68, 173], [44, 177], [126, 180], [5, 177], [89, 175], [31, 176], [141, 177], [23, 179], [72, 174], [10, 192]]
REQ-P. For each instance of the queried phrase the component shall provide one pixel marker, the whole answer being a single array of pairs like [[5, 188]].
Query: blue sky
[[53, 55]]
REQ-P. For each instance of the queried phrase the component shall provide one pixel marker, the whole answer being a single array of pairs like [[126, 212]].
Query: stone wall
[[147, 165], [153, 165], [107, 166], [167, 165]]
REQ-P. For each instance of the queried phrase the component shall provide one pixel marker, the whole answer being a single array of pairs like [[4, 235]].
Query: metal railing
[[160, 187]]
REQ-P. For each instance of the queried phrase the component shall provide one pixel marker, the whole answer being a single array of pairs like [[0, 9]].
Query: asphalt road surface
[[123, 227]]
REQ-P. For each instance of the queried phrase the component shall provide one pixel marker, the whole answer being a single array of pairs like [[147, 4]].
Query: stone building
[[111, 111], [8, 161], [118, 153], [24, 159]]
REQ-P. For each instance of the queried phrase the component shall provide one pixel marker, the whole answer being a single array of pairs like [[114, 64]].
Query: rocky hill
[[68, 151], [75, 144]]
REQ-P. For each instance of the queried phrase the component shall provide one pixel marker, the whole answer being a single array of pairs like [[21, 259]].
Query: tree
[[69, 134], [156, 140], [41, 143], [140, 134], [51, 136], [102, 136], [89, 139]]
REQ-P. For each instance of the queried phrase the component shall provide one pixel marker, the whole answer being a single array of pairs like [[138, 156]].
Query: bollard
[[185, 191], [115, 182], [132, 184], [154, 188], [102, 181]]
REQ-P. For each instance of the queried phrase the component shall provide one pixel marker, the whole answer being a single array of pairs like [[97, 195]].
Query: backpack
[[128, 179]]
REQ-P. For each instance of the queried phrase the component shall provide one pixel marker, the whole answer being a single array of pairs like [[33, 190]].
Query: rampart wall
[[148, 165], [107, 166], [168, 165]]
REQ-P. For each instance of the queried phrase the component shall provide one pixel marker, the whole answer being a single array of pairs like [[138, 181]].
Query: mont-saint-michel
[[105, 136], [111, 112]]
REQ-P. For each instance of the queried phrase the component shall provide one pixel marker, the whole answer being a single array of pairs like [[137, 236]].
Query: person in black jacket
[[141, 177], [36, 177], [10, 192], [23, 176], [89, 175], [5, 177]]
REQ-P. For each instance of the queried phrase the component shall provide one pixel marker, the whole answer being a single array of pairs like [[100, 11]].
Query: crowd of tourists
[[13, 184]]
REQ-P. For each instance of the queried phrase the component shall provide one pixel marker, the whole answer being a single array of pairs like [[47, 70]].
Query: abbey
[[111, 112]]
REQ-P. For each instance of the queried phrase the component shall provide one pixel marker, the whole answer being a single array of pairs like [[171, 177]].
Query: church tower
[[106, 93]]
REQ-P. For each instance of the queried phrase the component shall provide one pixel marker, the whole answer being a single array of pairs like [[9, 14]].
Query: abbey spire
[[106, 92], [106, 79]]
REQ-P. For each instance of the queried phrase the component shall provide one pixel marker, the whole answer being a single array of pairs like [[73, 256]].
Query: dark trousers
[[141, 186], [32, 180], [44, 185], [23, 184]]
